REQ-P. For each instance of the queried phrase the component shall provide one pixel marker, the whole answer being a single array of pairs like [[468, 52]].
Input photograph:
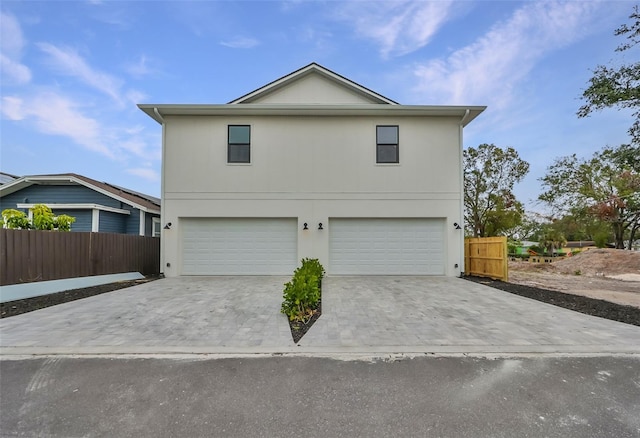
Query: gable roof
[[313, 69], [370, 104], [138, 200]]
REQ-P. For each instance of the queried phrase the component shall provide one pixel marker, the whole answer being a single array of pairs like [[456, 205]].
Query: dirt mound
[[606, 274], [601, 262], [591, 263]]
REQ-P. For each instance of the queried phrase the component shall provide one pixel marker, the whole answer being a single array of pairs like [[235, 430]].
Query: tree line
[[590, 198]]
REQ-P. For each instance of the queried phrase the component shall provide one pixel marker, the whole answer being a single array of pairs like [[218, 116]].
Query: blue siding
[[112, 222], [133, 221], [148, 225], [77, 194], [83, 218], [67, 194]]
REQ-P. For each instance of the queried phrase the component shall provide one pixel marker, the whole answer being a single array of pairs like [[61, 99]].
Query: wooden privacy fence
[[486, 257], [29, 255]]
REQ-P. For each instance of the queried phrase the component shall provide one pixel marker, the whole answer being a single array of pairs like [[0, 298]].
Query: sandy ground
[[607, 274]]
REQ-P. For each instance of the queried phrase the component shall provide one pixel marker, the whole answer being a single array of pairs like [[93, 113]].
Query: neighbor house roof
[[138, 200], [7, 178]]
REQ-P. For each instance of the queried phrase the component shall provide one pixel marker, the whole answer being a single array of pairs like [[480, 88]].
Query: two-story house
[[312, 165]]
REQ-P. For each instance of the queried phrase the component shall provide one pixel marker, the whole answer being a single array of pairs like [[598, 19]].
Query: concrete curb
[[324, 351]]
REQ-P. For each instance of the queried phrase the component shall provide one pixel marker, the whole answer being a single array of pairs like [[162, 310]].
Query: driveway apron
[[360, 315], [442, 314]]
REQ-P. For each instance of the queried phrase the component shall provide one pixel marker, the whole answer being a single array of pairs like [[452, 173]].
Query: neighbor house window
[[239, 146], [387, 144], [155, 232]]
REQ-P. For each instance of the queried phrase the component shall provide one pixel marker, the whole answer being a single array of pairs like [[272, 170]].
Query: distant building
[[96, 206]]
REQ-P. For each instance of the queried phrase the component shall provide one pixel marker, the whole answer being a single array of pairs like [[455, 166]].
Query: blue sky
[[73, 72]]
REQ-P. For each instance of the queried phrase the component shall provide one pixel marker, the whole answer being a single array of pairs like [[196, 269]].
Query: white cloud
[[17, 72], [12, 108], [140, 68], [488, 71], [12, 41], [70, 63], [135, 145], [57, 115], [400, 27], [11, 46], [146, 173], [135, 96], [241, 43]]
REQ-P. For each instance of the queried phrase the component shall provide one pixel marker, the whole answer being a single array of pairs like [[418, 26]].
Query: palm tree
[[552, 239]]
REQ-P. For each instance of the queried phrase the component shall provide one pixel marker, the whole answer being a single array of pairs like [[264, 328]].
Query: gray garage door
[[386, 246], [239, 246]]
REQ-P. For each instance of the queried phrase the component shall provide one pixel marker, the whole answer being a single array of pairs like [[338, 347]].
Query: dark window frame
[[231, 144], [383, 144]]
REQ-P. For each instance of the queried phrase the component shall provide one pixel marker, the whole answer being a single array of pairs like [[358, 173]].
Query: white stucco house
[[312, 165]]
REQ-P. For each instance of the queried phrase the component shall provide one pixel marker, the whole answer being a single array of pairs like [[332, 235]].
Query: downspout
[[162, 209], [461, 222]]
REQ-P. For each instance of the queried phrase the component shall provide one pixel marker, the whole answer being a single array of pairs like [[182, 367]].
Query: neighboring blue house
[[97, 206]]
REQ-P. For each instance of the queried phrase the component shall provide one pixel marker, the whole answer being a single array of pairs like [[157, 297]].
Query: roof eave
[[152, 110], [27, 181]]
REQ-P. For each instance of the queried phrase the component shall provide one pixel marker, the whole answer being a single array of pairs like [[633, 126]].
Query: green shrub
[[63, 222], [311, 267], [42, 217], [15, 219], [601, 239], [301, 295]]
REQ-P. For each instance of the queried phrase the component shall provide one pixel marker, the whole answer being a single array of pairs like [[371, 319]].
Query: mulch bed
[[17, 307], [578, 303], [298, 329]]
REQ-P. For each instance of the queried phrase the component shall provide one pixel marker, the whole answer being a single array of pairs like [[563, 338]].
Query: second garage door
[[386, 247], [239, 246]]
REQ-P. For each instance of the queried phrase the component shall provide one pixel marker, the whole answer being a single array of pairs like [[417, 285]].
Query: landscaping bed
[[299, 328], [302, 297], [17, 307], [578, 303]]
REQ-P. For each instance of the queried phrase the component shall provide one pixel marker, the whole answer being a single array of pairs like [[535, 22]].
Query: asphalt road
[[308, 397]]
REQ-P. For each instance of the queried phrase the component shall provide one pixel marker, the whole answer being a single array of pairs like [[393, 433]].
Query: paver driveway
[[441, 314], [186, 314], [360, 315]]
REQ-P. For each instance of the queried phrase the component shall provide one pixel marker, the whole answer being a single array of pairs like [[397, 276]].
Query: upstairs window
[[239, 144], [387, 144]]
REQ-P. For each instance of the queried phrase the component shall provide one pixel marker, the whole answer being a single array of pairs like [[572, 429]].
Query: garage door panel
[[386, 246], [214, 246]]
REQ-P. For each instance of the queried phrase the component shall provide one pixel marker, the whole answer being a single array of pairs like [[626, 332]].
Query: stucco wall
[[312, 168], [311, 155]]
